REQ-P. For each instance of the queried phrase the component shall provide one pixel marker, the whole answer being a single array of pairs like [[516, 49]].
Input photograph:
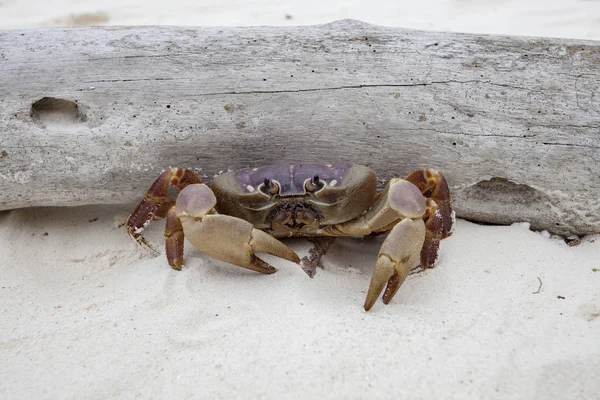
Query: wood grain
[[514, 123]]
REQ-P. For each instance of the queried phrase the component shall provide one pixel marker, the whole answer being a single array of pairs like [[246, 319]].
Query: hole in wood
[[52, 112]]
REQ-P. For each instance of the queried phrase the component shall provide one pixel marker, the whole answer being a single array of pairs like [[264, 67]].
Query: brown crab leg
[[153, 205], [163, 210], [439, 216], [434, 233], [433, 185], [174, 239], [320, 246]]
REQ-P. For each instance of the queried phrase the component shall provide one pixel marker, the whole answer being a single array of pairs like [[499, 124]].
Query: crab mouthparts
[[295, 216]]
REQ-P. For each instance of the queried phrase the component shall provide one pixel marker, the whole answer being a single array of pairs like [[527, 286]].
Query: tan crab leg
[[224, 237], [439, 215], [399, 200], [401, 208], [153, 205], [398, 254]]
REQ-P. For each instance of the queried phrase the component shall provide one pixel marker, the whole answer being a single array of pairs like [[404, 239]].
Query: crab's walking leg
[[225, 237], [174, 239], [154, 205], [433, 185], [439, 215], [320, 246]]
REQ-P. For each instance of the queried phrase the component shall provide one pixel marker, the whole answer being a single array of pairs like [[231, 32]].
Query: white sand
[[86, 314]]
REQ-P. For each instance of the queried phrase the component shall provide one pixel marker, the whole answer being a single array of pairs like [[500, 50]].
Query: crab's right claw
[[398, 254], [224, 237]]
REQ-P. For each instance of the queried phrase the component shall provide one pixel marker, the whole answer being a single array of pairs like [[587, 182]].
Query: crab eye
[[270, 187], [313, 184]]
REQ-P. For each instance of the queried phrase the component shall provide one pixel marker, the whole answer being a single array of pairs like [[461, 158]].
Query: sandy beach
[[85, 313]]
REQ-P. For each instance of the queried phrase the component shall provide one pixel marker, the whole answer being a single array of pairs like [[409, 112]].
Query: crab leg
[[153, 205], [174, 239], [433, 185], [320, 246], [225, 237], [398, 254], [399, 200], [401, 208], [439, 214]]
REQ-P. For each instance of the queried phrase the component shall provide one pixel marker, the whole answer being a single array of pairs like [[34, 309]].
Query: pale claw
[[224, 237], [398, 254], [265, 243]]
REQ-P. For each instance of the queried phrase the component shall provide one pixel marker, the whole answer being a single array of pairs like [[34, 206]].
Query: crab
[[244, 212]]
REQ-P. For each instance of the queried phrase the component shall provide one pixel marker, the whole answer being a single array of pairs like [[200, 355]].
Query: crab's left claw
[[224, 237], [398, 254]]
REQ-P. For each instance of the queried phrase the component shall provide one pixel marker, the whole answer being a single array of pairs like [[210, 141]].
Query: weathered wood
[[514, 123]]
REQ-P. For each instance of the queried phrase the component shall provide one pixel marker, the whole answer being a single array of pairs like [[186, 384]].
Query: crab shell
[[344, 192]]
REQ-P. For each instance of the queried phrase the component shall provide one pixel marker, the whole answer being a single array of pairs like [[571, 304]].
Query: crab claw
[[398, 254], [224, 237]]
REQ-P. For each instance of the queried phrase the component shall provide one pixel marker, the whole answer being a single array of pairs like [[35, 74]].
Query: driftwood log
[[93, 115]]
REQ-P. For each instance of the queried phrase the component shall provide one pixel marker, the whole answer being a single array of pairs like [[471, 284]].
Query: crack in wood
[[137, 80], [362, 86], [342, 87]]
